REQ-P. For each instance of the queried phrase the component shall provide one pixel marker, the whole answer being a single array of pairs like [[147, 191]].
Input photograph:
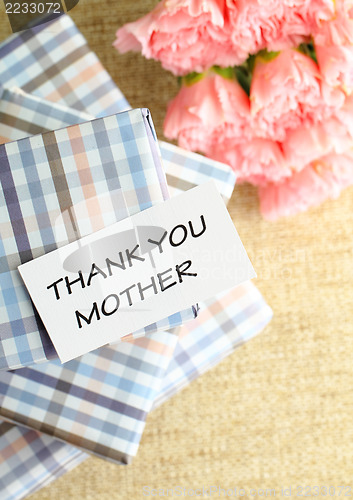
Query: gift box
[[23, 115], [39, 459], [98, 402], [245, 312], [30, 460], [67, 401], [58, 187], [54, 61]]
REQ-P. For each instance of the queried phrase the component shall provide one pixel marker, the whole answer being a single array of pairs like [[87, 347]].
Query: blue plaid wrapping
[[54, 61], [30, 460]]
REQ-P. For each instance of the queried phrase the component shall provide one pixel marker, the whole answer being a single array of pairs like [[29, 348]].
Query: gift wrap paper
[[54, 61], [184, 170], [98, 402], [30, 460]]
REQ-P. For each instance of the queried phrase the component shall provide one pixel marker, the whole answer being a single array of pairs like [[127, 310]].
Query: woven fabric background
[[279, 412]]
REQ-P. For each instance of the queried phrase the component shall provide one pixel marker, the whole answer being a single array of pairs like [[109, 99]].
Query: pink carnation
[[345, 114], [258, 161], [203, 115], [286, 94], [311, 13], [334, 47], [338, 30], [184, 35], [294, 136], [193, 35], [317, 182], [276, 24], [307, 144], [254, 23], [336, 65]]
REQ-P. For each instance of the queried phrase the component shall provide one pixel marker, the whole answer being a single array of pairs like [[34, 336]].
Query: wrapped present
[[223, 331], [238, 317], [54, 61], [30, 460], [66, 401], [58, 187], [98, 402], [225, 323], [23, 115], [112, 389]]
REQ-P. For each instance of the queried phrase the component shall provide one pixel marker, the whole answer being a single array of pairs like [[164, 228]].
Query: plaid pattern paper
[[54, 61], [30, 460], [98, 402], [23, 115], [56, 188], [224, 324]]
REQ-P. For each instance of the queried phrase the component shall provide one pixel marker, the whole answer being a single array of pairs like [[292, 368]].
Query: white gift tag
[[137, 271]]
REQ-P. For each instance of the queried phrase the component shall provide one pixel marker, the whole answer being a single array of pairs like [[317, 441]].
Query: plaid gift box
[[23, 115], [54, 61], [58, 187], [30, 460], [66, 401], [240, 321], [98, 402]]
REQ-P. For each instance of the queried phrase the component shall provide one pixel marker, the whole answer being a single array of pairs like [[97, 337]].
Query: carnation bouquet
[[266, 86]]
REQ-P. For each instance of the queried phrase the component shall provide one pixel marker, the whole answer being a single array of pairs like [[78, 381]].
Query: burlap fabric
[[277, 413]]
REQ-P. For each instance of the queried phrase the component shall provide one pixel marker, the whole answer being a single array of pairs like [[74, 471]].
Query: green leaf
[[267, 56], [244, 78], [309, 50], [224, 72], [244, 73], [192, 78]]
